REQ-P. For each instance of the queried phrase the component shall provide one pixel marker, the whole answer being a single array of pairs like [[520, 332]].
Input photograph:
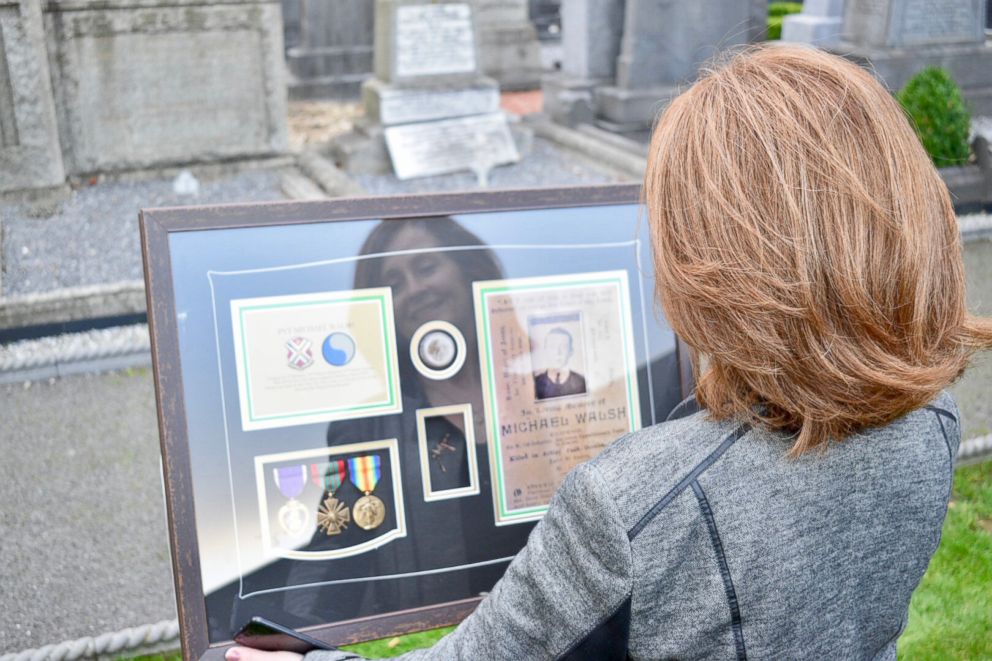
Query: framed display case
[[365, 405]]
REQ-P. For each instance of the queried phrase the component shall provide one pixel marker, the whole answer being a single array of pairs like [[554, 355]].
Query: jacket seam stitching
[[950, 458], [606, 618], [944, 412], [728, 581], [684, 483]]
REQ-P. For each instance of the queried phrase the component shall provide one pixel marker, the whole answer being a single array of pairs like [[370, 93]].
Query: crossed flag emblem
[[298, 353]]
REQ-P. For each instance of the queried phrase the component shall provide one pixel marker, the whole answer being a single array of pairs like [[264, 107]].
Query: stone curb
[[590, 145], [72, 304], [328, 176]]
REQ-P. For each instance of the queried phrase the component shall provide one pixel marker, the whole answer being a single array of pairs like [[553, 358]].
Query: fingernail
[[232, 654]]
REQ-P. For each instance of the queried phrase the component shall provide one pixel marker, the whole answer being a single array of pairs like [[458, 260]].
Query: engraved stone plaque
[[403, 106], [906, 23], [932, 21], [168, 84], [450, 145], [434, 40], [866, 21]]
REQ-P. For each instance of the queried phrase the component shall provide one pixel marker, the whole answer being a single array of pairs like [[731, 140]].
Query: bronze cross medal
[[439, 449]]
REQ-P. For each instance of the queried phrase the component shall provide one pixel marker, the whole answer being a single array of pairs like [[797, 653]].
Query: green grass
[[400, 644], [950, 616]]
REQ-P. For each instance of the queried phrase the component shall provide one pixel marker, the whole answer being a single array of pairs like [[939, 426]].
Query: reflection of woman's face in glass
[[426, 286]]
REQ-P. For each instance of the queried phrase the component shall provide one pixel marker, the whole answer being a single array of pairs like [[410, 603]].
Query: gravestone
[[508, 47], [590, 37], [146, 83], [30, 153], [427, 85], [897, 38], [663, 45], [819, 23], [291, 26], [757, 29], [332, 54]]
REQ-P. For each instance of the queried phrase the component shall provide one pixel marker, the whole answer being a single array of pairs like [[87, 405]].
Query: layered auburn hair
[[806, 247]]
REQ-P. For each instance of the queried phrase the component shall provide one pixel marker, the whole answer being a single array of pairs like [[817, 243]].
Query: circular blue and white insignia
[[338, 349]]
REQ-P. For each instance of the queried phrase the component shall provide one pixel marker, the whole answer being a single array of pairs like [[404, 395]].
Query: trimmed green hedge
[[933, 102], [777, 11]]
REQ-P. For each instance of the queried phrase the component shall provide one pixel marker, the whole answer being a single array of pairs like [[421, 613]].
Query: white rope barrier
[[135, 641], [74, 347], [975, 449]]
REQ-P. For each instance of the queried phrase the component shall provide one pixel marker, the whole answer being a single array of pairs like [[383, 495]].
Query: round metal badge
[[437, 350], [369, 512]]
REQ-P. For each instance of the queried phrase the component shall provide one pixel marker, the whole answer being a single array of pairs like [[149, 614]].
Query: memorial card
[[315, 357], [559, 380]]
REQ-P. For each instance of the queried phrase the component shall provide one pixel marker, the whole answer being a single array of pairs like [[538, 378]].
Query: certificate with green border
[[310, 358], [559, 377]]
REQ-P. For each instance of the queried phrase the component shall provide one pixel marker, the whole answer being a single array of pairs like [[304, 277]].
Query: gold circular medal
[[333, 516], [369, 512]]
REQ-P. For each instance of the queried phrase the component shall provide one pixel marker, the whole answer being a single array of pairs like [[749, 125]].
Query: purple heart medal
[[293, 516]]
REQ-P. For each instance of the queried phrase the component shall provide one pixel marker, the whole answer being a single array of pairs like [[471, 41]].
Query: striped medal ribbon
[[369, 511], [293, 516]]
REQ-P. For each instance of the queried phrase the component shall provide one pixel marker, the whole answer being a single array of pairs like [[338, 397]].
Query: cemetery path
[[83, 542]]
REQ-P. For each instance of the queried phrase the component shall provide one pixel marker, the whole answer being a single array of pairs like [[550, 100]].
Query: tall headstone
[[332, 55], [664, 43], [819, 23], [427, 88], [590, 37], [291, 26], [30, 153], [897, 38], [757, 29], [146, 83], [508, 47]]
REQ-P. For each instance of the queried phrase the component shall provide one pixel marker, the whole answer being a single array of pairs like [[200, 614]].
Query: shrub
[[777, 11], [933, 102]]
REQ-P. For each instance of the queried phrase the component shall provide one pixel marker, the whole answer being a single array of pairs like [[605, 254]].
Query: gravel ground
[[317, 122], [542, 164], [84, 547], [92, 238]]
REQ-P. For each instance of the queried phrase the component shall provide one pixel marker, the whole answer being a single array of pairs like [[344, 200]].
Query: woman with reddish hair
[[807, 251]]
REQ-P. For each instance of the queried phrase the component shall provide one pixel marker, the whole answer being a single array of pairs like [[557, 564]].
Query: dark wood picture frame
[[156, 225]]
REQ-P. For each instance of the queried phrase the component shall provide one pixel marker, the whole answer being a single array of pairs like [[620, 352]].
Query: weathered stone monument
[[428, 103], [664, 43], [30, 154], [141, 83], [897, 38], [508, 45], [591, 32], [819, 23], [332, 50]]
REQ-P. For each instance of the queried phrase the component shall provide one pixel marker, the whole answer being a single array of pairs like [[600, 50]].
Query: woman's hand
[[249, 654]]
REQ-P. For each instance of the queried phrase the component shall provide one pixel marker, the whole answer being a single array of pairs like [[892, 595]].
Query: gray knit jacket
[[695, 539]]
